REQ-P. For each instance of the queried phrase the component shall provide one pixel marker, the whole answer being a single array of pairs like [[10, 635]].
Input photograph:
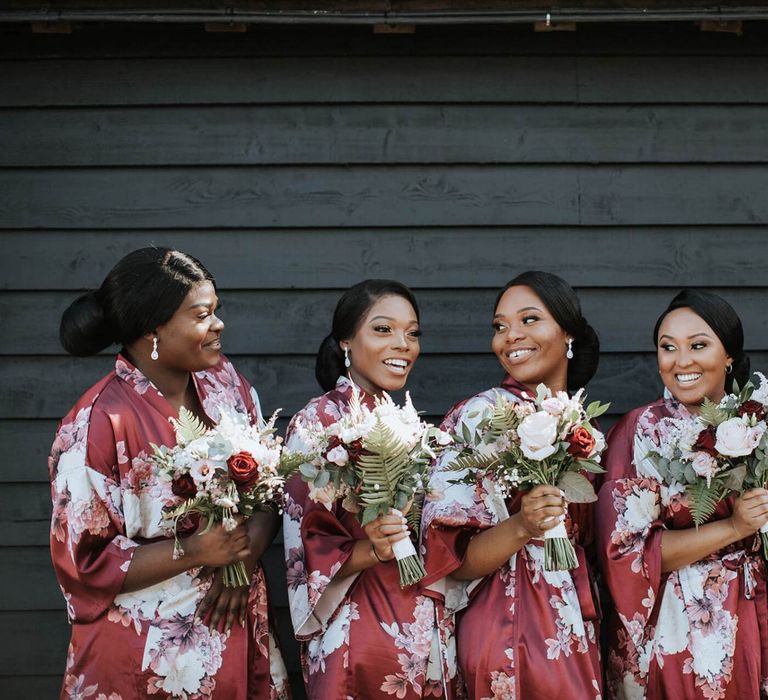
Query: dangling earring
[[729, 369], [569, 353], [154, 355], [347, 361]]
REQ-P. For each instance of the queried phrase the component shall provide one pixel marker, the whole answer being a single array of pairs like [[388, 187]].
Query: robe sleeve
[[90, 553], [629, 532], [318, 539], [455, 512]]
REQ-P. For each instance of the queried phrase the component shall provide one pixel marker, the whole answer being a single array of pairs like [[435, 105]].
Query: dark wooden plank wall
[[294, 163]]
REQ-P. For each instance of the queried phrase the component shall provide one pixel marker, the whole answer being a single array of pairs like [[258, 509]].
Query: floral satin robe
[[362, 636], [524, 633], [694, 633], [107, 500]]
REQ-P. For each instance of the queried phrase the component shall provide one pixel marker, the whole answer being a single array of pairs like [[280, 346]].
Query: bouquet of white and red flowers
[[549, 441], [223, 471], [374, 460], [723, 449]]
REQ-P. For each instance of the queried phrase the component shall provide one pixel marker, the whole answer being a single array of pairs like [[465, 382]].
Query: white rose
[[734, 438], [553, 406], [442, 438], [538, 434], [704, 465], [338, 456]]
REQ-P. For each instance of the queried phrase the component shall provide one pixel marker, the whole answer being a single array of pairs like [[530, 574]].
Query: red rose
[[582, 442], [706, 441], [752, 408], [184, 487], [356, 449], [243, 470]]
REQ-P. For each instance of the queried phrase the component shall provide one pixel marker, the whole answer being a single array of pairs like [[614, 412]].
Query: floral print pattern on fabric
[[522, 632], [697, 632], [361, 636], [107, 501]]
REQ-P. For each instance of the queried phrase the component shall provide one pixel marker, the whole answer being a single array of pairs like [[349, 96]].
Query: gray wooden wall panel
[[629, 160]]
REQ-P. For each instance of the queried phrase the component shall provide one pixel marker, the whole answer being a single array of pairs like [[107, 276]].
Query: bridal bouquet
[[223, 471], [723, 449], [547, 441], [375, 460]]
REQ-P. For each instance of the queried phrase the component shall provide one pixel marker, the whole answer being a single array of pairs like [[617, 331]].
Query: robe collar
[[141, 384]]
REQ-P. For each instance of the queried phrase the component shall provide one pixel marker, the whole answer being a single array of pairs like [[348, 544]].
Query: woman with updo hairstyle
[[689, 603], [146, 624], [361, 635], [521, 631]]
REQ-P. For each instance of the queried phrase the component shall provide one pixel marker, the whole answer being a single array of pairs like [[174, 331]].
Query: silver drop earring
[[569, 353], [154, 354], [347, 361]]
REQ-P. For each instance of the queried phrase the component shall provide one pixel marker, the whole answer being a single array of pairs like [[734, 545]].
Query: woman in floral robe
[[524, 633], [690, 604], [135, 611], [361, 636]]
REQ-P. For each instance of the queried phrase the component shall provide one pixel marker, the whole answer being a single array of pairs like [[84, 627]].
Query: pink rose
[[734, 438], [704, 465]]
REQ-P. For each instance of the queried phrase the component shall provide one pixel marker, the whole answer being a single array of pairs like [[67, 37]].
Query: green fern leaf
[[703, 498], [503, 418], [474, 461], [711, 414], [188, 427], [381, 470]]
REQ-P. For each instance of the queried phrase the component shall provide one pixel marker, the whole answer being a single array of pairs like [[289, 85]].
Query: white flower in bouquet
[[736, 438], [553, 406], [538, 435], [688, 432], [201, 471]]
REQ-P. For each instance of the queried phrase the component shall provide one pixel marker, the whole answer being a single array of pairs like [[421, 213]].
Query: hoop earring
[[347, 361], [728, 369], [154, 354], [569, 353]]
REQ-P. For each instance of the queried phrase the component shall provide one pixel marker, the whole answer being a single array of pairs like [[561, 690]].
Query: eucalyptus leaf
[[308, 471], [577, 488]]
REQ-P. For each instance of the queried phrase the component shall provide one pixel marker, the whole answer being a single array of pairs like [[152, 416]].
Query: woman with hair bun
[[522, 631], [361, 635], [690, 603], [144, 623]]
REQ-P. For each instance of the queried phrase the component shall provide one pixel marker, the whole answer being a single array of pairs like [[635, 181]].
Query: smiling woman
[[343, 580], [707, 642], [145, 622], [487, 551]]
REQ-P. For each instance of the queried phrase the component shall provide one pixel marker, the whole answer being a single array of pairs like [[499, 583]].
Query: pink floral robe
[[362, 636], [697, 632], [523, 633], [106, 502]]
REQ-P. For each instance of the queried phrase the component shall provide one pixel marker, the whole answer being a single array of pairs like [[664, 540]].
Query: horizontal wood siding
[[629, 160]]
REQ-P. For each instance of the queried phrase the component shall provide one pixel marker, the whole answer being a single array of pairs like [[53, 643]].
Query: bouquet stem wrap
[[408, 563], [559, 554]]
